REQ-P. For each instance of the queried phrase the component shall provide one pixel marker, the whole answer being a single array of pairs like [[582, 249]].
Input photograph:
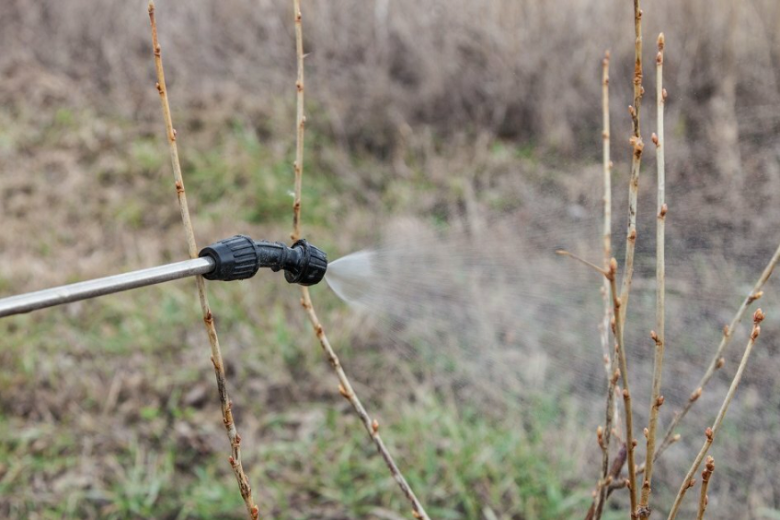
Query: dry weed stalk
[[208, 317], [656, 399], [345, 387], [717, 360], [688, 481], [709, 468]]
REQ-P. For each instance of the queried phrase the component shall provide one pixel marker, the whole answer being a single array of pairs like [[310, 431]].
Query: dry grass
[[514, 69], [494, 65]]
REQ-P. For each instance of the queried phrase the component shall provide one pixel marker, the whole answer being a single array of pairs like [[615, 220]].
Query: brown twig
[[563, 252], [656, 399], [633, 193], [620, 303], [607, 476], [636, 161], [709, 468], [607, 231], [604, 439], [617, 329], [717, 359], [371, 425], [614, 471], [208, 317], [621, 357], [687, 483], [611, 483], [300, 122], [345, 387]]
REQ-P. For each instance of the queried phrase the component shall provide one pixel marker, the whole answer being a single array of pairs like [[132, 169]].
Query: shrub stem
[[208, 317], [688, 481], [709, 468], [717, 361], [606, 436], [345, 387], [637, 147], [656, 399]]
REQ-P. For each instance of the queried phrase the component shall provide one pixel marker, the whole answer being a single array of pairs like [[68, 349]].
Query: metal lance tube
[[234, 258], [102, 286]]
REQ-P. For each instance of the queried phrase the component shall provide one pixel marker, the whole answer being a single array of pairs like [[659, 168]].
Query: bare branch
[[758, 317], [604, 440], [709, 468], [563, 252], [658, 336], [371, 425], [607, 231], [208, 317], [717, 359], [300, 122], [633, 193], [345, 387], [621, 358], [636, 161]]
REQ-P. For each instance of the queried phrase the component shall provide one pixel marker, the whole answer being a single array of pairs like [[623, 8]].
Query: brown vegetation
[[520, 69]]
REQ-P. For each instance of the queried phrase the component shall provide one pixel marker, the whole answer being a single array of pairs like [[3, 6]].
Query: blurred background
[[464, 122]]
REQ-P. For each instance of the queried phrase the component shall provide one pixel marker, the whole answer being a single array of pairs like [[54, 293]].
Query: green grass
[[157, 447], [459, 460]]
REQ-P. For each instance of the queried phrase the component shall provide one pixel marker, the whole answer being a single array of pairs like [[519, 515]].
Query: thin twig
[[563, 252], [636, 160], [612, 482], [633, 193], [300, 122], [656, 399], [688, 481], [604, 440], [208, 317], [345, 387], [371, 425], [620, 358], [709, 468], [717, 359], [607, 232], [621, 355], [605, 436]]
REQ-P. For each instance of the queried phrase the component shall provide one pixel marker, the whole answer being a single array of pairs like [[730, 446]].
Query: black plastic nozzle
[[240, 257]]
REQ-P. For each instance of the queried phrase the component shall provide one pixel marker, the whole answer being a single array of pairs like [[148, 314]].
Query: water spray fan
[[235, 258]]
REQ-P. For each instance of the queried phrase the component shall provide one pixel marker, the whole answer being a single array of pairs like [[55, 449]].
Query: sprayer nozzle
[[240, 257], [309, 267]]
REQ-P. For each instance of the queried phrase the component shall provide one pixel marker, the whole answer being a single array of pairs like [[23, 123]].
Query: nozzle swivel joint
[[240, 257]]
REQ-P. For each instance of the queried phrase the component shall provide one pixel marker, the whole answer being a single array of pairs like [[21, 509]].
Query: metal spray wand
[[234, 258]]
